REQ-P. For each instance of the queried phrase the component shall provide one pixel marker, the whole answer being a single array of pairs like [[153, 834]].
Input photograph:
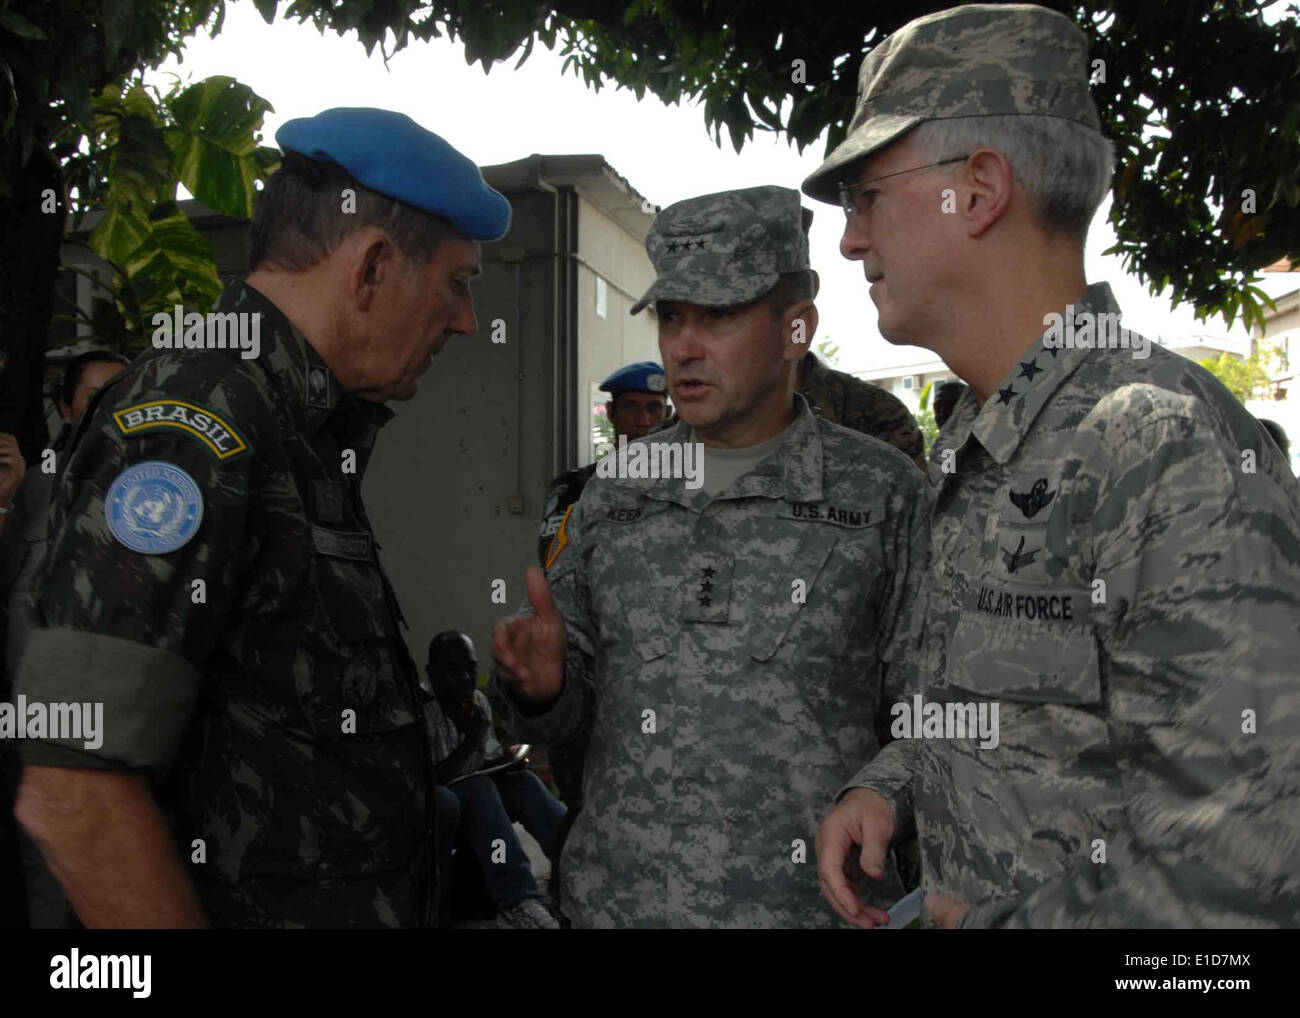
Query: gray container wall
[[437, 486]]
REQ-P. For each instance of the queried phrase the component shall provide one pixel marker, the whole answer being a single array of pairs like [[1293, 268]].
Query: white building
[[1282, 332]]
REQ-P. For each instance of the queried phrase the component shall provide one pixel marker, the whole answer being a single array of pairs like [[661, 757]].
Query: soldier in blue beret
[[638, 404], [263, 759]]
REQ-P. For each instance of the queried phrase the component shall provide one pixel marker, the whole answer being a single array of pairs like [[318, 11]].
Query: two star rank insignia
[[1028, 369]]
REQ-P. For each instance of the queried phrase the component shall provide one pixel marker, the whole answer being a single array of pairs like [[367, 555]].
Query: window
[[602, 297], [909, 381]]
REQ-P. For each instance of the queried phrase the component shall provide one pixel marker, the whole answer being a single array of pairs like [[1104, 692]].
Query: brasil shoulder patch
[[213, 430]]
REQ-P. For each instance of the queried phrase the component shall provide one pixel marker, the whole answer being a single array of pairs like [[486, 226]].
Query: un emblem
[[153, 507]]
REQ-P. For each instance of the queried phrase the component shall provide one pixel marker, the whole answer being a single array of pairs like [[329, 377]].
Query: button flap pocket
[[1028, 660], [775, 613]]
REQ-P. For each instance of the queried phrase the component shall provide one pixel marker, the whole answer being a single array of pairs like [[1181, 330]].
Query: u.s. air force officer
[[1116, 543], [213, 581]]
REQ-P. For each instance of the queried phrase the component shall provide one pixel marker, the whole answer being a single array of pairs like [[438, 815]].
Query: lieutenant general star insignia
[[708, 588]]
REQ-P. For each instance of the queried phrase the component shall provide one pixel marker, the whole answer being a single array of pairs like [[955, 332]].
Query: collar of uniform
[[293, 363], [797, 475], [1005, 419]]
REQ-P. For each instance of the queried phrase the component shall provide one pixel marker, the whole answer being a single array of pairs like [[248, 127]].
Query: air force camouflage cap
[[972, 61], [390, 153], [726, 249]]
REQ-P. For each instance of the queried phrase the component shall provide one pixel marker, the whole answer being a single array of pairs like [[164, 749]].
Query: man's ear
[[989, 184], [798, 325], [373, 258]]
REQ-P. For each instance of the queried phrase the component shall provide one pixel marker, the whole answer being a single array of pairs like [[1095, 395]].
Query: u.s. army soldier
[[1115, 558], [728, 641], [213, 580]]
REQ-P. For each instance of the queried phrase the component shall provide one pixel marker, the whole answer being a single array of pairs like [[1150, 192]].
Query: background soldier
[[945, 401], [730, 643], [212, 577], [850, 402], [1116, 544], [637, 406]]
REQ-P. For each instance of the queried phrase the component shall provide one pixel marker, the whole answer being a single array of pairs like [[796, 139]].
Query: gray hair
[[1064, 167], [300, 219]]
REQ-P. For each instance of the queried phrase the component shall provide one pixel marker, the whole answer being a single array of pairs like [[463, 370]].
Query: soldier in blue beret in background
[[638, 404], [213, 581]]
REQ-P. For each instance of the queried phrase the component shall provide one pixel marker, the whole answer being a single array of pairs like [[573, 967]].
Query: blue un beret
[[643, 376], [390, 153]]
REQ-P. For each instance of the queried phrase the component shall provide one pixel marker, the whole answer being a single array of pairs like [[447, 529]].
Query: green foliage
[[925, 419], [1201, 98], [602, 433], [55, 55], [1246, 378], [826, 351], [142, 145]]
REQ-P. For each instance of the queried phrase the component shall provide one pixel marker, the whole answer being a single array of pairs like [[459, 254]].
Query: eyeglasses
[[851, 194]]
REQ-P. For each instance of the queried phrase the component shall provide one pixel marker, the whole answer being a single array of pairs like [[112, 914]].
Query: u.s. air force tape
[[210, 428], [153, 507]]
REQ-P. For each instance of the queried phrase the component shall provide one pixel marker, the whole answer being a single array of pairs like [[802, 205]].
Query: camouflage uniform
[[687, 606], [236, 704], [564, 491], [1108, 569], [852, 403]]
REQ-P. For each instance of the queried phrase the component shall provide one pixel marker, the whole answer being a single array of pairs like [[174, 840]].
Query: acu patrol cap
[[975, 61], [643, 376], [726, 249], [390, 153]]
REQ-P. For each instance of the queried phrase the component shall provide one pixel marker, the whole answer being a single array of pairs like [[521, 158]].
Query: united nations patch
[[153, 507]]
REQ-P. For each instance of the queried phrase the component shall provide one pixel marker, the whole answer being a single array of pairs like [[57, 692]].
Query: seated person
[[460, 723]]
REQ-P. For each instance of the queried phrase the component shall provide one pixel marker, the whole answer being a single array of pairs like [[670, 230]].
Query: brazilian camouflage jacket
[[256, 671]]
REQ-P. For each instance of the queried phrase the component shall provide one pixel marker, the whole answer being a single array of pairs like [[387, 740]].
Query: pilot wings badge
[[1031, 501]]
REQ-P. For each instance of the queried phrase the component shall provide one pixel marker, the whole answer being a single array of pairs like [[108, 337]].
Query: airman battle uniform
[[1116, 565]]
